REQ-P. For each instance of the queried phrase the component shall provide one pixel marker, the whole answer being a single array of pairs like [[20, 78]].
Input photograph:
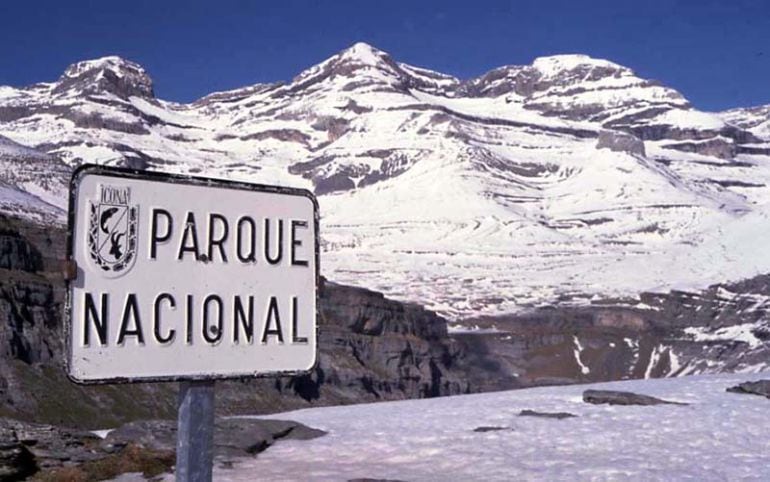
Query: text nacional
[[212, 318]]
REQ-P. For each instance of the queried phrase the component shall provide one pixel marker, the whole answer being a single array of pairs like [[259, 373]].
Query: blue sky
[[717, 53]]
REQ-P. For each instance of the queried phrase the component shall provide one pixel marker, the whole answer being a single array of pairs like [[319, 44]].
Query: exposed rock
[[152, 434], [96, 121], [26, 448], [18, 254], [553, 86], [371, 351], [56, 453], [656, 335], [484, 429], [368, 479], [717, 147], [232, 437], [103, 111], [556, 415], [27, 308], [759, 387], [108, 74], [337, 182], [286, 135], [132, 463], [612, 397], [620, 142], [16, 461]]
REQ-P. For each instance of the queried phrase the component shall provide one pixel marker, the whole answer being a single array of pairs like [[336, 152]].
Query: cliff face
[[371, 348], [724, 328]]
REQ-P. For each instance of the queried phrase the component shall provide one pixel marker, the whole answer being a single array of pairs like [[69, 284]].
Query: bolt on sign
[[184, 278]]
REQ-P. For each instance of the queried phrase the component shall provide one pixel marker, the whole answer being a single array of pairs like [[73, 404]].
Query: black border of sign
[[153, 176]]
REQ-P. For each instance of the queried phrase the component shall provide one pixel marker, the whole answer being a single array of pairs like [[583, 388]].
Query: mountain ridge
[[525, 185], [101, 63]]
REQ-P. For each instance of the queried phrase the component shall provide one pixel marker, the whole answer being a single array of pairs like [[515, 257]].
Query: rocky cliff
[[725, 328], [371, 348]]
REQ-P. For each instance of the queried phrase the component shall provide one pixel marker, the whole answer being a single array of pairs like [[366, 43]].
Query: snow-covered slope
[[32, 184], [526, 185], [718, 436]]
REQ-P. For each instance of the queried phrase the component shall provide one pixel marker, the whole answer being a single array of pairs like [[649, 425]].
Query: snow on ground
[[691, 118], [742, 333], [719, 436]]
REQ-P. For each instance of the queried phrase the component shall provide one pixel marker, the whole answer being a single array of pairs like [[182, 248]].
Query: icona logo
[[112, 230]]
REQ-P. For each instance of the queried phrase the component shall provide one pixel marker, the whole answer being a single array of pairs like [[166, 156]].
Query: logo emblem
[[112, 230]]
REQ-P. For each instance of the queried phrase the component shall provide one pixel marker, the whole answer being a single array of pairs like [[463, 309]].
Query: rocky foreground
[[47, 452]]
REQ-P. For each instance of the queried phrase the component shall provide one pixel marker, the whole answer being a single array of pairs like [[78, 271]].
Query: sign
[[189, 278]]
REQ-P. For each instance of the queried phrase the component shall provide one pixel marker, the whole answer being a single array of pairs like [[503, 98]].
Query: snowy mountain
[[561, 181], [32, 184]]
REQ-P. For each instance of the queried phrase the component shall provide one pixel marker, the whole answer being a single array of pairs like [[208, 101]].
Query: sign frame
[[190, 180]]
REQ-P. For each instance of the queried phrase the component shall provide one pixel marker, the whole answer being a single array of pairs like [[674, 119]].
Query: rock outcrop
[[620, 142], [759, 387], [27, 448], [112, 75], [232, 437], [613, 397], [50, 452], [553, 415], [724, 328]]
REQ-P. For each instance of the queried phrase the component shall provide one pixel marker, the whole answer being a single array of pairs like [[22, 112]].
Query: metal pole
[[195, 431]]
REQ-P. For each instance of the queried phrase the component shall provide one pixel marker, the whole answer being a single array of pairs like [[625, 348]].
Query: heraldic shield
[[112, 237]]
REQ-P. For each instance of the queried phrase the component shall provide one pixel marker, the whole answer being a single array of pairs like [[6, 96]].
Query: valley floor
[[719, 436]]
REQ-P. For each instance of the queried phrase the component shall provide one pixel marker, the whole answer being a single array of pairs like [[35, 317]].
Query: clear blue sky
[[717, 53]]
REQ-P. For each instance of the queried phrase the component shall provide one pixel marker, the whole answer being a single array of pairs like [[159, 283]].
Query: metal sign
[[183, 278]]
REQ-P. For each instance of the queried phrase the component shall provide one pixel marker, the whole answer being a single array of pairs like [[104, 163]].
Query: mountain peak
[[555, 64], [360, 58], [110, 62], [363, 53], [111, 74]]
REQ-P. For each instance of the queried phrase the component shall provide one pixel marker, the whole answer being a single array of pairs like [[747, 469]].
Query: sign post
[[189, 279], [195, 431]]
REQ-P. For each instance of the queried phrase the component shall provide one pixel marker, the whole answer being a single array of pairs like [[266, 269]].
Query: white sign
[[189, 278]]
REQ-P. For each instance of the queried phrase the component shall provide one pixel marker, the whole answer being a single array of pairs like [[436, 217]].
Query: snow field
[[719, 436]]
